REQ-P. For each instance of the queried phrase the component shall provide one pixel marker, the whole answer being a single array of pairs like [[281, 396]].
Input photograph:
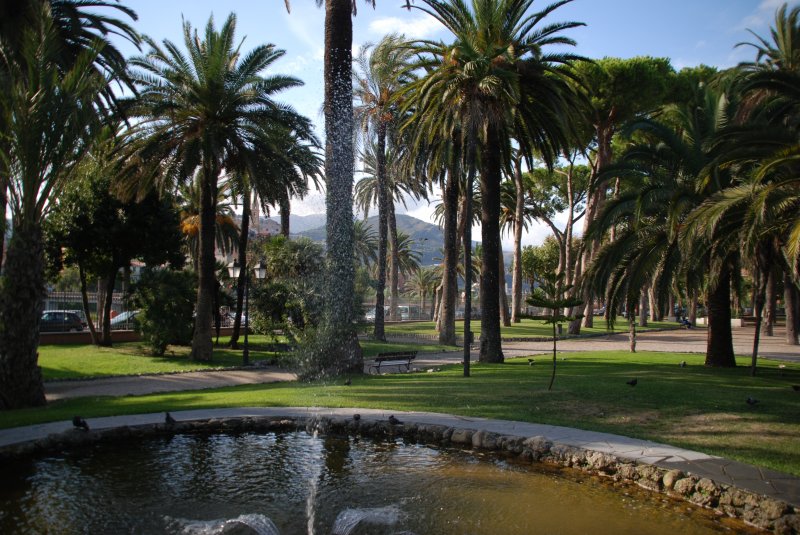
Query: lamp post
[[234, 270]]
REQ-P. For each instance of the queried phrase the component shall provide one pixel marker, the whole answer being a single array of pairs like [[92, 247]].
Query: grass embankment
[[527, 328], [693, 407], [87, 361]]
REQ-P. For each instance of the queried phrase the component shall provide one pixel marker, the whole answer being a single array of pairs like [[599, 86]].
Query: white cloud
[[762, 16], [420, 28]]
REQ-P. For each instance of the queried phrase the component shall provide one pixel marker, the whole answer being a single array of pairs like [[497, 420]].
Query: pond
[[295, 482]]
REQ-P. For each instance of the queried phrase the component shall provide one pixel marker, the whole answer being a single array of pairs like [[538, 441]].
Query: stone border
[[756, 510]]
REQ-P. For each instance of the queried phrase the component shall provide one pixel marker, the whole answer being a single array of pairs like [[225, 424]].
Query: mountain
[[428, 238], [302, 223]]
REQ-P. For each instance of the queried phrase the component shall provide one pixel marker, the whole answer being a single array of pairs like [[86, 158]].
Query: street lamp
[[234, 270]]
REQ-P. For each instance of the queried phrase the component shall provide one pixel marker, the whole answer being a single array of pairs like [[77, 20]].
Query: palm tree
[[422, 283], [380, 74], [49, 118], [490, 78], [77, 30], [227, 230], [365, 243], [205, 113]]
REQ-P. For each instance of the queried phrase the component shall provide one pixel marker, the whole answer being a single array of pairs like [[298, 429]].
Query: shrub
[[166, 299]]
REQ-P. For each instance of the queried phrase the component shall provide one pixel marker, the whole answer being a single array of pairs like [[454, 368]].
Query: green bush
[[166, 300]]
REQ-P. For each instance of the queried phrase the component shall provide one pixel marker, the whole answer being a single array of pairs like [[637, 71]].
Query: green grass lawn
[[693, 407], [86, 360], [526, 328]]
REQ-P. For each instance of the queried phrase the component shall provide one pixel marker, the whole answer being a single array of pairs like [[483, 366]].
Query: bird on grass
[[168, 419], [530, 362], [751, 401], [79, 423], [796, 388], [632, 382], [356, 417], [394, 421], [682, 364], [348, 382]]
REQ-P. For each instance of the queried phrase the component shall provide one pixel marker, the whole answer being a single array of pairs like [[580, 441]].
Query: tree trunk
[[505, 317], [632, 333], [693, 308], [651, 299], [108, 299], [791, 302], [449, 299], [202, 342], [719, 341], [394, 266], [21, 302], [491, 350], [770, 302], [643, 308], [758, 309], [339, 169], [286, 216], [244, 233], [85, 302], [519, 214], [383, 234], [575, 325]]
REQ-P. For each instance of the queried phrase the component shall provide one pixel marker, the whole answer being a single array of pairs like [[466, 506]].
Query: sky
[[689, 32]]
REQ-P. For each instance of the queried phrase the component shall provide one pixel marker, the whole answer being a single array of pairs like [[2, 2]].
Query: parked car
[[60, 321], [124, 320]]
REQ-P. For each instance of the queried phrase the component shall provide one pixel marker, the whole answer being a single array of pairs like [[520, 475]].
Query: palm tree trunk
[[719, 342], [505, 317], [447, 312], [339, 168], [693, 308], [286, 213], [202, 341], [519, 214], [394, 275], [771, 303], [383, 231], [244, 234], [21, 302], [790, 298], [632, 333], [491, 347], [643, 308]]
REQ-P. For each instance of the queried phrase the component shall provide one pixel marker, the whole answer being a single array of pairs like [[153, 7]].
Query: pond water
[[296, 483]]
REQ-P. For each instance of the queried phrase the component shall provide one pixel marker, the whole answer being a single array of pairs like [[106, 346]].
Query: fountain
[[290, 482]]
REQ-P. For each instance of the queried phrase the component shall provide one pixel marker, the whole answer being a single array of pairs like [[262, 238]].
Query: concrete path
[[761, 481], [137, 385]]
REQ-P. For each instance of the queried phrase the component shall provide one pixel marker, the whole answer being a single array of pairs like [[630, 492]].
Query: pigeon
[[632, 382], [796, 388], [530, 362], [348, 382], [394, 421], [751, 401], [356, 417], [80, 423], [682, 364], [168, 419]]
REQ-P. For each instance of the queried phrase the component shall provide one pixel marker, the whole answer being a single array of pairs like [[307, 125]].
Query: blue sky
[[689, 32]]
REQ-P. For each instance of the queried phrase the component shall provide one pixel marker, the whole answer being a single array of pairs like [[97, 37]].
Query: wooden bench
[[393, 358]]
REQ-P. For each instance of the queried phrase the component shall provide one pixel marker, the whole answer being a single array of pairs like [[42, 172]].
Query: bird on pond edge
[[394, 421], [80, 423], [632, 382], [356, 417], [751, 401], [682, 364], [168, 419]]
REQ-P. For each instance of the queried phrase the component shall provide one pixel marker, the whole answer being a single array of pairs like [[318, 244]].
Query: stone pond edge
[[754, 509]]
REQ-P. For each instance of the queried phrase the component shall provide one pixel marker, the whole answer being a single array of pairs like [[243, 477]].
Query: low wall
[[754, 509]]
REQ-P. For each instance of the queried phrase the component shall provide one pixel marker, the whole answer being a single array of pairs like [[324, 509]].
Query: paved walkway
[[762, 481]]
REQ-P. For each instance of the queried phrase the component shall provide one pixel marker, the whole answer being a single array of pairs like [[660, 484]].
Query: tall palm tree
[[50, 114], [422, 283], [203, 113], [382, 70], [497, 79], [227, 230]]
